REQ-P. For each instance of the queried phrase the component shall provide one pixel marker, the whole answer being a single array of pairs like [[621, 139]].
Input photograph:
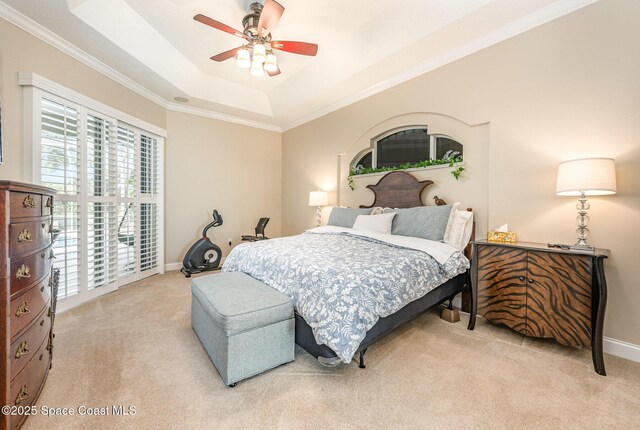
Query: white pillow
[[460, 232], [454, 209], [378, 223]]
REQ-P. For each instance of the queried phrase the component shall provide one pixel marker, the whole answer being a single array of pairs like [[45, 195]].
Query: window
[[404, 146], [407, 145], [108, 207]]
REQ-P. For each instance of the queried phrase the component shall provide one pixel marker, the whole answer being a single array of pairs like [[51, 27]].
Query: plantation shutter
[[60, 170], [126, 207], [108, 209], [102, 239], [149, 219]]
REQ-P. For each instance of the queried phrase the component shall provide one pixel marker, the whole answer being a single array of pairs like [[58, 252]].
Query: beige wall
[[22, 52], [568, 89], [211, 164]]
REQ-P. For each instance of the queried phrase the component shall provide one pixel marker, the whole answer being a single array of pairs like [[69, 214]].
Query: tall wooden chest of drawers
[[26, 277]]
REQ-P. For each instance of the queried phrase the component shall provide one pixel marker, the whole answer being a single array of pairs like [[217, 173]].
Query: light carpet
[[135, 347]]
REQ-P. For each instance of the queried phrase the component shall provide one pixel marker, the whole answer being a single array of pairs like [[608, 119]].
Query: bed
[[351, 287]]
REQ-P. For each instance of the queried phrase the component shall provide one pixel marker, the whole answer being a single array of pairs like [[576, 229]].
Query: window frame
[[35, 88], [373, 148]]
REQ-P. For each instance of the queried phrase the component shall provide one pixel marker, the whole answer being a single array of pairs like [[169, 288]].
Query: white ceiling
[[157, 48]]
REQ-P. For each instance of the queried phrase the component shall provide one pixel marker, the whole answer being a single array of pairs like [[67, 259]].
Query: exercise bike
[[203, 255]]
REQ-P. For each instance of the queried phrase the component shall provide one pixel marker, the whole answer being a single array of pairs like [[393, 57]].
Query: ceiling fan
[[258, 53]]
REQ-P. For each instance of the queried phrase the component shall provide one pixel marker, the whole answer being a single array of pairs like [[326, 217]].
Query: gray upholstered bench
[[245, 326]]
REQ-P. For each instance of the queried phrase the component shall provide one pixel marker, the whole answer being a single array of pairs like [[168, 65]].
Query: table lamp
[[582, 178], [318, 199]]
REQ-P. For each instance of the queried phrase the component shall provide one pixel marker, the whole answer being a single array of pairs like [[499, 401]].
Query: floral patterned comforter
[[342, 283]]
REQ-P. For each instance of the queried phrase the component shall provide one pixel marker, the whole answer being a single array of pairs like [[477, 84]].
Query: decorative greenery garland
[[425, 163]]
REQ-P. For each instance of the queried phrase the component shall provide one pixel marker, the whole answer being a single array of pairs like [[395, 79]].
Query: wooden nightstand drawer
[[24, 205], [25, 307], [29, 270], [26, 237], [23, 348]]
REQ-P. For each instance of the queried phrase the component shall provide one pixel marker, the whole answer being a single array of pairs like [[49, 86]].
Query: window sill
[[415, 169]]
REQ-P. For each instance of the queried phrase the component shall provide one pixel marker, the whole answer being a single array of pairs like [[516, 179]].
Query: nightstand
[[542, 292]]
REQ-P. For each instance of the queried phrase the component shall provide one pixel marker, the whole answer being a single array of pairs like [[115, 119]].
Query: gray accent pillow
[[426, 222], [345, 217]]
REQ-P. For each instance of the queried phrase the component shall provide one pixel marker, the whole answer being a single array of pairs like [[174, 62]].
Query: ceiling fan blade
[[269, 17], [274, 73], [218, 25], [302, 48], [226, 54]]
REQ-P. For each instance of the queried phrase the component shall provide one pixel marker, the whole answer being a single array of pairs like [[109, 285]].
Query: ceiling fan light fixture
[[257, 69], [259, 53], [270, 63], [243, 58]]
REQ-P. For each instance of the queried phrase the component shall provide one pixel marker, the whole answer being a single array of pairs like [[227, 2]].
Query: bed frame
[[395, 190]]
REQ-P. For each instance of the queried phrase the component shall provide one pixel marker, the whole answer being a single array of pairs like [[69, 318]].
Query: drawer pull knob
[[23, 272], [24, 236], [41, 323], [23, 309], [530, 281], [49, 203], [521, 278], [22, 394], [28, 202], [23, 349], [42, 289], [43, 225]]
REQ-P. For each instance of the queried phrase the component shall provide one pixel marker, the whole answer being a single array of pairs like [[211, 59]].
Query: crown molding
[[37, 81], [30, 26], [549, 13], [535, 19], [222, 117]]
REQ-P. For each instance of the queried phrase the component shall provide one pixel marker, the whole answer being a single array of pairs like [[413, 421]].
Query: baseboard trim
[[621, 349], [611, 346], [172, 266]]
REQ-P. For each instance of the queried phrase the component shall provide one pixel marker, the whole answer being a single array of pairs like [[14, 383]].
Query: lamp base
[[318, 216], [583, 219]]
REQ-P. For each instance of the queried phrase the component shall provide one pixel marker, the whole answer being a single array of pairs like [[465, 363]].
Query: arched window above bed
[[406, 146]]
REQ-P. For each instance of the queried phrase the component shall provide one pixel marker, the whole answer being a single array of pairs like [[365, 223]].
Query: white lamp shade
[[243, 59], [318, 198], [256, 69], [271, 63], [259, 53], [593, 176]]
